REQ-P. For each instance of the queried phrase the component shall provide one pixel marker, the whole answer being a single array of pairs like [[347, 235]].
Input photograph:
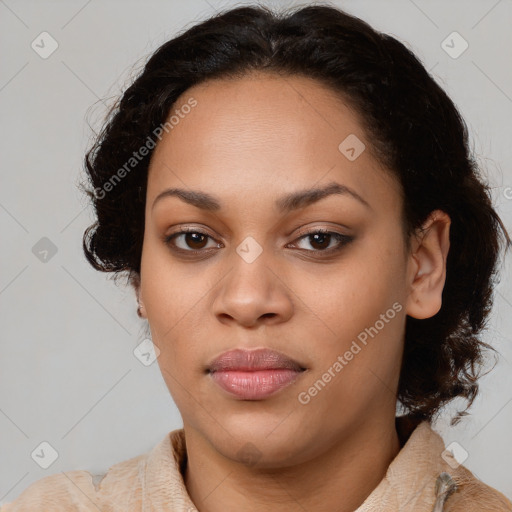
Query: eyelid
[[318, 229]]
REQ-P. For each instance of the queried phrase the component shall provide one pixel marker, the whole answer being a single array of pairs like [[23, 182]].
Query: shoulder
[[473, 495], [80, 490], [450, 486]]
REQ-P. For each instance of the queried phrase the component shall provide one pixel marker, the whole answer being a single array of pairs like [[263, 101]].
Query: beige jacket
[[418, 479]]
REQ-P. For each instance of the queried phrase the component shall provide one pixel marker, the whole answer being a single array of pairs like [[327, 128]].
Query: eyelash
[[343, 240]]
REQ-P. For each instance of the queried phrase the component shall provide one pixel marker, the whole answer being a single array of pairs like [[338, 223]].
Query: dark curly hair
[[416, 133]]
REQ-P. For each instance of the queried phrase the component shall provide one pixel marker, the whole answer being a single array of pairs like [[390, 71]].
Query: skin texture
[[248, 142]]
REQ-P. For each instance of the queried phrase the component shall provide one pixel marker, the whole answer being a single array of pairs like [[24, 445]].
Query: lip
[[253, 374]]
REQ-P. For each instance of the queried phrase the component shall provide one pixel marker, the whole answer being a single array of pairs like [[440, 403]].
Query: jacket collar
[[417, 480]]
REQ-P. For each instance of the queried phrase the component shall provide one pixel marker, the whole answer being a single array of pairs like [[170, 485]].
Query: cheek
[[345, 298], [171, 290], [357, 330], [376, 302], [172, 294]]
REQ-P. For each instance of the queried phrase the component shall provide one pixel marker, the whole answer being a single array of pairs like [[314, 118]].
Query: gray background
[[68, 375]]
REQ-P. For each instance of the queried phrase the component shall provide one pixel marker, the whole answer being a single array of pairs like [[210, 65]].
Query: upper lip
[[253, 360]]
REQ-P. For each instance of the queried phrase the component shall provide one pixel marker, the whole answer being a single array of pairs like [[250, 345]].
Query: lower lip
[[254, 385]]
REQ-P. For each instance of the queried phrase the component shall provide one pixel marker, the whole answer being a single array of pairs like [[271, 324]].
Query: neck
[[339, 479]]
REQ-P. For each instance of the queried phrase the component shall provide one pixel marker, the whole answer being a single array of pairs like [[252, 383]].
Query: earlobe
[[427, 263], [141, 310]]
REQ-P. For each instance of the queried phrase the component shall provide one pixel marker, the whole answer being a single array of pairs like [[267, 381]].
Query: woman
[[294, 202]]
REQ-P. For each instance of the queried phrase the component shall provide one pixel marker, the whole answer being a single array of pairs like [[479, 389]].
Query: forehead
[[261, 132]]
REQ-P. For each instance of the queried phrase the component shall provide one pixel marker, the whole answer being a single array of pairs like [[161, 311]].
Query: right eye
[[189, 240]]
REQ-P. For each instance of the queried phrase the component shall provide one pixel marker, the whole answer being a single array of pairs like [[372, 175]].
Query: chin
[[261, 443]]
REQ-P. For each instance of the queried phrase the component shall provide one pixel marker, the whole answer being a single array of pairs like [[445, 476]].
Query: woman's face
[[255, 273]]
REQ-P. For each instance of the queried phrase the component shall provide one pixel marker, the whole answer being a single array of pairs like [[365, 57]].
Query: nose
[[253, 293]]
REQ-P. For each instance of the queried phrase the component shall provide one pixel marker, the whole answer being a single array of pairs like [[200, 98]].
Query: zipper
[[445, 486]]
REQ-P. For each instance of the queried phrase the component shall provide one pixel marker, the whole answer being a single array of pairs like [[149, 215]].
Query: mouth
[[254, 374]]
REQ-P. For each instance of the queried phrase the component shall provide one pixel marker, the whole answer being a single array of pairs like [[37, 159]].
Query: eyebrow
[[287, 203]]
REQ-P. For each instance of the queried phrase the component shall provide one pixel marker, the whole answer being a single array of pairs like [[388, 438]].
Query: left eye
[[322, 240]]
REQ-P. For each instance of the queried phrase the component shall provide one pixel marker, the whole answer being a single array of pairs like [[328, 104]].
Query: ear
[[135, 282], [427, 266], [141, 309]]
